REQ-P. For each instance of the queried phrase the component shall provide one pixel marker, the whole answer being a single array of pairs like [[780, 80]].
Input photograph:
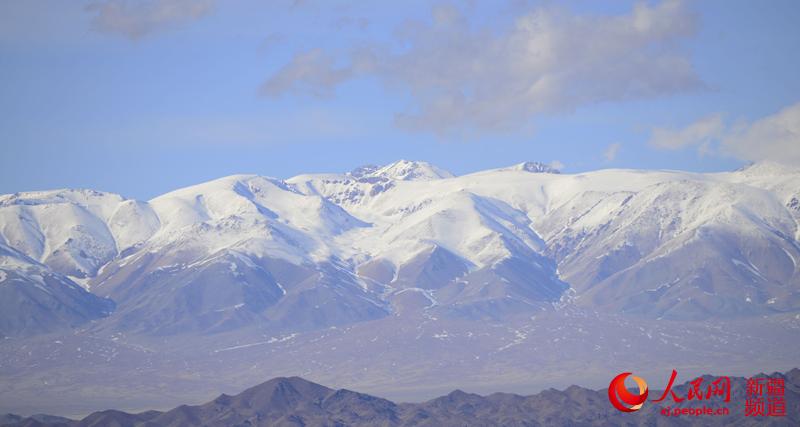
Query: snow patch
[[749, 267], [442, 335], [425, 292], [270, 341]]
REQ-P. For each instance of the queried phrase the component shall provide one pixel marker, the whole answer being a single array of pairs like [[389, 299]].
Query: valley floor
[[75, 374]]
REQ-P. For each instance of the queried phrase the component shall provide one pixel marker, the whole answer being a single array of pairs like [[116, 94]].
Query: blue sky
[[142, 97]]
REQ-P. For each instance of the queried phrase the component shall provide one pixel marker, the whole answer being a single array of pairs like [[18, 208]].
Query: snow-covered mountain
[[74, 232], [34, 299], [534, 167], [322, 250]]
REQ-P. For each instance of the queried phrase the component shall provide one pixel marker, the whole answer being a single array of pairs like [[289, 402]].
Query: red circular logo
[[618, 392]]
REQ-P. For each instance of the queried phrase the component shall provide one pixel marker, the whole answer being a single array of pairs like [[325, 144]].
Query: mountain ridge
[[501, 242], [285, 401]]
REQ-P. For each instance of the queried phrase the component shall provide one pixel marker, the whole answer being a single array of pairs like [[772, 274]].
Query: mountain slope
[[242, 250], [681, 249], [317, 251], [34, 299], [663, 244], [74, 232]]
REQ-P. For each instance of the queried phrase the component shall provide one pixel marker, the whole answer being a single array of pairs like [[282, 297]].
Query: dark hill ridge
[[297, 402]]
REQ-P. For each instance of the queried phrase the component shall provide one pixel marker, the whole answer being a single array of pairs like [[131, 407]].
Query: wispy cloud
[[314, 71], [775, 137], [135, 19], [700, 133], [611, 151], [550, 60]]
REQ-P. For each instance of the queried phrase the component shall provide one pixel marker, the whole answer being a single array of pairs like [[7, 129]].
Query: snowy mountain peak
[[89, 199], [768, 168], [403, 170], [492, 243], [362, 171], [534, 167]]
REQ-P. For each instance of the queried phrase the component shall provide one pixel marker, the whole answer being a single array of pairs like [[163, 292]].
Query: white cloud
[[137, 18], [557, 165], [314, 71], [611, 151], [466, 78], [775, 137], [700, 133]]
